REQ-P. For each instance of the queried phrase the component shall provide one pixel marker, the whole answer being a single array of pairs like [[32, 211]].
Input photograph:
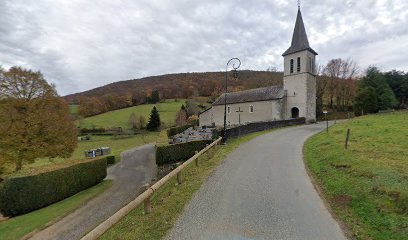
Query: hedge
[[110, 160], [22, 194], [178, 152], [176, 130]]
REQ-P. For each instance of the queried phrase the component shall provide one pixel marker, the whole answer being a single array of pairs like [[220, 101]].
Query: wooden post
[[147, 202], [347, 138], [196, 160], [179, 179]]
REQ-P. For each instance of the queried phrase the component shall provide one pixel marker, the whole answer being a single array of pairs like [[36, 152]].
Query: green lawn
[[118, 144], [73, 109], [119, 118], [169, 201], [367, 184], [17, 227]]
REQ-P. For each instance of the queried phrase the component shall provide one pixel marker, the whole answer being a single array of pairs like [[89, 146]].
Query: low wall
[[262, 126]]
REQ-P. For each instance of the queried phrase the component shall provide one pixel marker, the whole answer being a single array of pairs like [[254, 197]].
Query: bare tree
[[341, 75]]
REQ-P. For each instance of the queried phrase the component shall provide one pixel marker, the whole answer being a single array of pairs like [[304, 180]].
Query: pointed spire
[[299, 38]]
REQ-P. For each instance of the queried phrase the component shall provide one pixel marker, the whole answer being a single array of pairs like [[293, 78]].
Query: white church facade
[[296, 98]]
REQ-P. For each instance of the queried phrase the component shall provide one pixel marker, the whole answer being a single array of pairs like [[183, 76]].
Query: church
[[295, 99]]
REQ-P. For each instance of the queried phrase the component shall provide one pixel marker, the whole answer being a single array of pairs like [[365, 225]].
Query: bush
[[92, 130], [176, 130], [178, 152], [110, 160], [22, 194]]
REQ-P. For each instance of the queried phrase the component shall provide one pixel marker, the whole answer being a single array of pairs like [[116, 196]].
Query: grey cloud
[[79, 44]]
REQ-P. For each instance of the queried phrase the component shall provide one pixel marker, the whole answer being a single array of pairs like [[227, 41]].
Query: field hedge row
[[176, 130], [178, 152], [22, 194]]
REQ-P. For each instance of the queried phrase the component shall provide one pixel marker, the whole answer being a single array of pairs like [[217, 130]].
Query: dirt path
[[136, 168]]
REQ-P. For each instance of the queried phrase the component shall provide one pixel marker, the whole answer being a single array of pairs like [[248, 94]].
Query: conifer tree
[[154, 120]]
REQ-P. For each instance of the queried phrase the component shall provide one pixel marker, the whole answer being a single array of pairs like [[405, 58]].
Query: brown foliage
[[183, 85], [35, 121], [181, 118], [340, 77]]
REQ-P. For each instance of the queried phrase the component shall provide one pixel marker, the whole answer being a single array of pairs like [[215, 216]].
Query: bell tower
[[299, 78]]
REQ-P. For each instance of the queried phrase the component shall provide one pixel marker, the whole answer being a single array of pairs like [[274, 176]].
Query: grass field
[[367, 184], [168, 202], [17, 227], [117, 143], [119, 118], [73, 109]]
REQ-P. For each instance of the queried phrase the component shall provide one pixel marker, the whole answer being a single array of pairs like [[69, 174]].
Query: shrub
[[178, 152], [92, 130], [110, 160], [176, 130], [22, 194]]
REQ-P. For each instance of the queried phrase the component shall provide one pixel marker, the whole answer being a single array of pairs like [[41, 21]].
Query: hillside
[[119, 118], [184, 85], [128, 93], [367, 184]]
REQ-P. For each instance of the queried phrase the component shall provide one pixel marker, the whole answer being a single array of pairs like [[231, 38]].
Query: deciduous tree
[[35, 121]]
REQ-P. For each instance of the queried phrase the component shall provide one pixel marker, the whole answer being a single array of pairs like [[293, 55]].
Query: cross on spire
[[298, 4]]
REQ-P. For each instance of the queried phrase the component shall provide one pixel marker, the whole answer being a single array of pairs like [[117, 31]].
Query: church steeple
[[299, 38]]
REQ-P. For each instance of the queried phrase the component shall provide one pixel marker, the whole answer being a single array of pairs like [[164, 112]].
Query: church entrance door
[[295, 112]]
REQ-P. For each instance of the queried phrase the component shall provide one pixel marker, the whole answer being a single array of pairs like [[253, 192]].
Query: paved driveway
[[137, 167], [261, 191]]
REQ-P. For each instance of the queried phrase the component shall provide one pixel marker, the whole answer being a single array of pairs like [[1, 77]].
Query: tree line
[[171, 86]]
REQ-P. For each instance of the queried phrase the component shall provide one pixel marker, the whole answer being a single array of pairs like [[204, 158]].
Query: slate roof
[[299, 38], [252, 95]]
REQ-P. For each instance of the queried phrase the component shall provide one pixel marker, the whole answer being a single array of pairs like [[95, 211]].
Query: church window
[[311, 67], [291, 65], [228, 109], [298, 64], [251, 108]]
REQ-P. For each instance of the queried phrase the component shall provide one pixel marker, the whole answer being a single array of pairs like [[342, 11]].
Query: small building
[[103, 151]]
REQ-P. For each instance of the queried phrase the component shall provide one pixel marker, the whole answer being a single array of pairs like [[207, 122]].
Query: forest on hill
[[170, 86]]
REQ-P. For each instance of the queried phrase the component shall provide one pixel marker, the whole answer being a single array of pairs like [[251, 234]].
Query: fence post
[[347, 138], [147, 203], [196, 160], [179, 178]]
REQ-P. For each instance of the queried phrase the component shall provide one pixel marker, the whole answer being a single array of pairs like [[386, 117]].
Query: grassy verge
[[367, 184], [169, 201], [17, 227]]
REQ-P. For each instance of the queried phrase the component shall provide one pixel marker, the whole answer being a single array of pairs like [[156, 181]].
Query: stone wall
[[262, 126]]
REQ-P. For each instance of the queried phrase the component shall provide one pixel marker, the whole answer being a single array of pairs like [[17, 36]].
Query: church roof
[[299, 38], [252, 95]]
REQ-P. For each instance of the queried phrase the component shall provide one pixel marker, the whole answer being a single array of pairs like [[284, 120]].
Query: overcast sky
[[80, 44]]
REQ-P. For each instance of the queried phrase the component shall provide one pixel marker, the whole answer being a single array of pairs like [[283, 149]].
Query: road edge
[[318, 187]]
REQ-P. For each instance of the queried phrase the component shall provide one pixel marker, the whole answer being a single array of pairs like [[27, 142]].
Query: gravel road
[[136, 168], [261, 191]]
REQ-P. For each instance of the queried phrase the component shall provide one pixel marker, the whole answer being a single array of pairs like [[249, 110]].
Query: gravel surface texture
[[136, 168], [261, 191]]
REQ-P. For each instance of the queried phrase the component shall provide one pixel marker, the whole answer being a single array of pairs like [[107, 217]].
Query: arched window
[[298, 64], [251, 108], [295, 112], [291, 65]]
